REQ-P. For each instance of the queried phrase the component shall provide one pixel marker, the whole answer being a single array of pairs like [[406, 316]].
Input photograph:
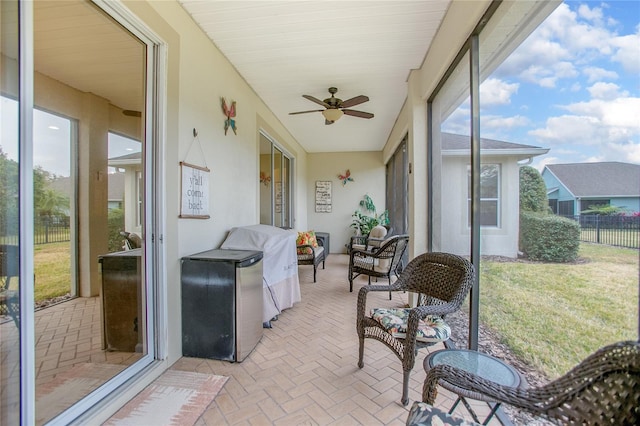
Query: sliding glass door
[[275, 191], [77, 179]]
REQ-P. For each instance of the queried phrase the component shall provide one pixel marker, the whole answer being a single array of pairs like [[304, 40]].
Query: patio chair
[[131, 241], [378, 262], [441, 282], [310, 254], [602, 389], [375, 238], [9, 267]]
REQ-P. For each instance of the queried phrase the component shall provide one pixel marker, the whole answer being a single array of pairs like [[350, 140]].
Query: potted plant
[[366, 218]]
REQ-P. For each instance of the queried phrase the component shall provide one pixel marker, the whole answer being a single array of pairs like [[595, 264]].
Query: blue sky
[[573, 86]]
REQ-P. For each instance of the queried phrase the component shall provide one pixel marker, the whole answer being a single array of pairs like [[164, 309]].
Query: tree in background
[[533, 191]]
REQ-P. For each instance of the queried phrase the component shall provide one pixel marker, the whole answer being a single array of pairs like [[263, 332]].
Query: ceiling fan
[[335, 107]]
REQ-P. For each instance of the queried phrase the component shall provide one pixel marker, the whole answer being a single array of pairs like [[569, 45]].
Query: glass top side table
[[477, 363]]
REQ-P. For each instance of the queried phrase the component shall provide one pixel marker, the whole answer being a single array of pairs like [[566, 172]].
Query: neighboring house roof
[[454, 145], [608, 179], [126, 160]]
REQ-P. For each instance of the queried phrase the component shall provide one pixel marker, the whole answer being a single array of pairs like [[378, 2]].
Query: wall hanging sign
[[230, 113], [195, 191], [346, 177], [323, 196]]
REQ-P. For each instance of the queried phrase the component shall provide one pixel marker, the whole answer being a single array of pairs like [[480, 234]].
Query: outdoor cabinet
[[120, 297]]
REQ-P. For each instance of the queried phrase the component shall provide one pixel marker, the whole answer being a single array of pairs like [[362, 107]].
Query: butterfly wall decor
[[230, 113], [346, 177], [265, 179]]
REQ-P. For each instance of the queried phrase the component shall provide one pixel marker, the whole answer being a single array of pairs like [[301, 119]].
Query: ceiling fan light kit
[[332, 114], [335, 107]]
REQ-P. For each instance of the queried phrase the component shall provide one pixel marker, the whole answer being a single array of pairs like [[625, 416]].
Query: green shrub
[[549, 238], [533, 191]]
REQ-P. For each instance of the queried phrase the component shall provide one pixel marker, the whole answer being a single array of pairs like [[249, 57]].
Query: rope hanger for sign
[[204, 159]]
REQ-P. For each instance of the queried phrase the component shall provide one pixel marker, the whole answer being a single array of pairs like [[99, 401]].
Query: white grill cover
[[281, 287]]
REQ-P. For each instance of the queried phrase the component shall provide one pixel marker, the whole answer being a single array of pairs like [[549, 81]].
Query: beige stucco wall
[[368, 173], [198, 76]]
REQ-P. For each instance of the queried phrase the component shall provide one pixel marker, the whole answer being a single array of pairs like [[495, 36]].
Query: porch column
[[93, 128]]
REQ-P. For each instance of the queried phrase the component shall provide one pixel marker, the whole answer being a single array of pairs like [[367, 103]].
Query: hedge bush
[[549, 238]]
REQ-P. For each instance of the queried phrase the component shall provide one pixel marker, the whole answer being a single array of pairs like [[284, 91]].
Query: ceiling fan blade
[[327, 122], [316, 100], [355, 113], [354, 101], [132, 113], [304, 112]]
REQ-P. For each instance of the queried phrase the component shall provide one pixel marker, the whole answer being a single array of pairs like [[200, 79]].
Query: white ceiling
[[285, 49]]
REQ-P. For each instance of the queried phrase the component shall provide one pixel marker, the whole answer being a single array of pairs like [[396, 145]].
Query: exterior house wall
[[368, 173], [494, 241], [631, 204]]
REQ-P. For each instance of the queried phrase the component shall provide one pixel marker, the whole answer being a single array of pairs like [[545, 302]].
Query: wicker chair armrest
[[362, 298]]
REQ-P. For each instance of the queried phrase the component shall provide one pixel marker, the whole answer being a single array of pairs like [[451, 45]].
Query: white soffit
[[285, 49]]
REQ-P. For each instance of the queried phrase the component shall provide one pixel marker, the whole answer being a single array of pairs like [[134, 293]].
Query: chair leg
[[389, 287], [405, 387], [361, 353], [314, 272]]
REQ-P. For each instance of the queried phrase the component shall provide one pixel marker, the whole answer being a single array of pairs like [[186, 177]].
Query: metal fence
[[622, 231], [45, 231]]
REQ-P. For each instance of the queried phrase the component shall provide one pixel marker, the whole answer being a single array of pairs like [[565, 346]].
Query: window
[[489, 195], [565, 208]]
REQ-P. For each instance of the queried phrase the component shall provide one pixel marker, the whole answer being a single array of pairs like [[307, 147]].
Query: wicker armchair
[[442, 282], [602, 389], [382, 262]]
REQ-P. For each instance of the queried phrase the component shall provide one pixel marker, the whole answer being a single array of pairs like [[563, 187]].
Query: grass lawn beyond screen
[[553, 315]]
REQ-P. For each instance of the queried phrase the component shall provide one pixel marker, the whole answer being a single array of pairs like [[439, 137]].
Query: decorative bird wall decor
[[345, 178], [265, 179], [230, 113]]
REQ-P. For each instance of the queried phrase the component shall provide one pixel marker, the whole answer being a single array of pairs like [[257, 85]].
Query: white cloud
[[540, 163], [627, 52], [629, 151], [605, 91], [568, 40], [623, 113], [594, 14], [495, 122], [494, 91], [598, 74]]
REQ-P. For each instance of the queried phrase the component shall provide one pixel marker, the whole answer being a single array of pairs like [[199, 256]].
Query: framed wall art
[[194, 188], [323, 196]]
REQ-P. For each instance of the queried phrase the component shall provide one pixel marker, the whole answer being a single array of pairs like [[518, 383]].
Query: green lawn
[[52, 264], [554, 315]]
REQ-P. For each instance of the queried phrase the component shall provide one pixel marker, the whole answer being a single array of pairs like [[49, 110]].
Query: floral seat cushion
[[432, 329], [306, 238]]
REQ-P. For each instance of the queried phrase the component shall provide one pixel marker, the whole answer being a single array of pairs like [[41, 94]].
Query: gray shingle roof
[[609, 179], [452, 141]]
